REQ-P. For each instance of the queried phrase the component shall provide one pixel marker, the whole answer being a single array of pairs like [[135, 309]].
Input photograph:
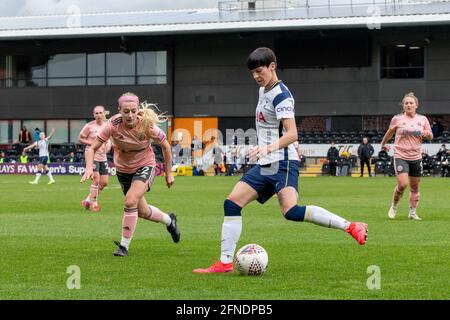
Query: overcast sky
[[32, 7]]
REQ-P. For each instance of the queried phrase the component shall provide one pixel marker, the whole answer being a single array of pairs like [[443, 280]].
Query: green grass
[[44, 229]]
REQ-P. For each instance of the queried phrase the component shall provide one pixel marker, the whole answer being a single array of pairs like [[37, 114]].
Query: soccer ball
[[251, 259]]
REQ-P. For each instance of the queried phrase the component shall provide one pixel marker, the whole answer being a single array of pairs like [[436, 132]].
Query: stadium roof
[[230, 16]]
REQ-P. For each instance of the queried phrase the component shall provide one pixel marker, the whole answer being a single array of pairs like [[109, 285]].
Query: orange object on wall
[[186, 128]]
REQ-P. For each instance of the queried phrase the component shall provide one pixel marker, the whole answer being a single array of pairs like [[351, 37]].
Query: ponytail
[[147, 114], [149, 117]]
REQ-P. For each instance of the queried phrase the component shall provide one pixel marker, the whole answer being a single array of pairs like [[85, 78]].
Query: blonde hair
[[149, 117], [410, 95]]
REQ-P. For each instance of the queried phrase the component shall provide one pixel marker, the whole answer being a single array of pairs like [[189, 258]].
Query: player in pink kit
[[131, 132], [410, 130], [101, 175]]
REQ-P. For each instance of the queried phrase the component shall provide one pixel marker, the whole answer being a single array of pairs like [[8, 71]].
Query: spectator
[[436, 128], [383, 155], [37, 133], [196, 147], [23, 157], [218, 159], [3, 158], [440, 155], [333, 157], [24, 136], [445, 165], [426, 164], [232, 163], [365, 152], [177, 152], [344, 164], [443, 155], [72, 157], [196, 144]]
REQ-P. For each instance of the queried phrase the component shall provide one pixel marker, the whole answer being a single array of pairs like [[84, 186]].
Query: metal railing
[[237, 5]]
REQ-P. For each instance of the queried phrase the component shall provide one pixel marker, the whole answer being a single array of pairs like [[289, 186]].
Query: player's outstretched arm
[[51, 134], [34, 144]]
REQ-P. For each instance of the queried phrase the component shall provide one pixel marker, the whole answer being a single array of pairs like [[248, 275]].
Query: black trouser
[[445, 171], [332, 168], [363, 162]]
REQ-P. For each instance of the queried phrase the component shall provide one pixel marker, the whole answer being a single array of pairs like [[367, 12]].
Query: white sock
[[412, 210], [125, 242], [394, 206], [325, 218], [166, 219], [49, 175], [231, 232], [38, 176]]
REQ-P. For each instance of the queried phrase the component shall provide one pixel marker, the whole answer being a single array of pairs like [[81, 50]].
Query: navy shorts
[[101, 167], [270, 179], [145, 174], [412, 168], [43, 160]]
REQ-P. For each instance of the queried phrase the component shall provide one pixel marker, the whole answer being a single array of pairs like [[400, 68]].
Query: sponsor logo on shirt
[[261, 117], [285, 109]]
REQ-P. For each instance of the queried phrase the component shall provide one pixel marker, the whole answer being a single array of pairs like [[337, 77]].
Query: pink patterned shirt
[[90, 131], [131, 151], [408, 133]]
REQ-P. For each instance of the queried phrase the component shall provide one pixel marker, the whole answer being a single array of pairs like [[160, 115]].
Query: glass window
[[61, 134], [151, 67], [31, 126], [402, 61], [152, 80], [67, 69], [15, 131], [30, 71], [75, 129], [96, 69], [120, 68], [4, 136], [2, 71]]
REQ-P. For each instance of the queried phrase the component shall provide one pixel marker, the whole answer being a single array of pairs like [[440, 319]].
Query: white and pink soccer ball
[[251, 259]]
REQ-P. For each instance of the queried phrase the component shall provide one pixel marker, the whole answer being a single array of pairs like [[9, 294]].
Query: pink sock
[[130, 216], [155, 214], [93, 193]]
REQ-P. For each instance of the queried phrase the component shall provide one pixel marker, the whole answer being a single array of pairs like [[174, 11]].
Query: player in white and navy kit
[[42, 145], [278, 166]]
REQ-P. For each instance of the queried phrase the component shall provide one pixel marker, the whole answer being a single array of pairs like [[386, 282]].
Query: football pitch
[[44, 232]]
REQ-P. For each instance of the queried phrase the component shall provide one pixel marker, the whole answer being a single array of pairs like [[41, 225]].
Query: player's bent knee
[[131, 202], [230, 208], [296, 213]]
